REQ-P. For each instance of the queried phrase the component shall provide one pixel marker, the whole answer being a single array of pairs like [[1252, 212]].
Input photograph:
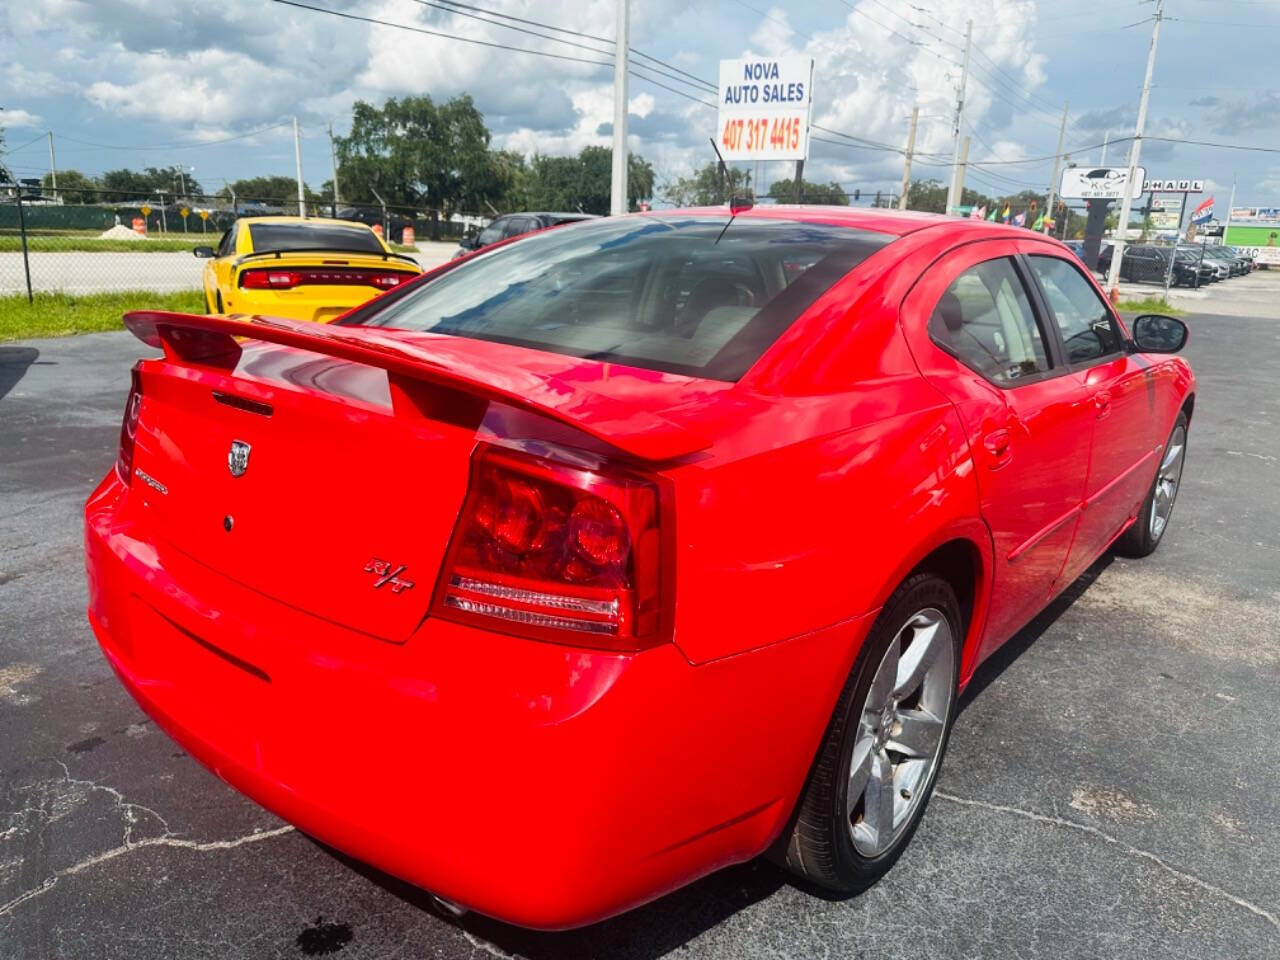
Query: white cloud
[[16, 119]]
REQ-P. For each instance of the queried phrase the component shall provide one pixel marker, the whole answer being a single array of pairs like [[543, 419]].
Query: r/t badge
[[388, 574]]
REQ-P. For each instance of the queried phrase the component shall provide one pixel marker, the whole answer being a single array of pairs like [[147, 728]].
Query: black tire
[[818, 844], [1140, 540]]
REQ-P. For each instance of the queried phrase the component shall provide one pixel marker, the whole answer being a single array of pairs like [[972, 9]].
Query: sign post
[[765, 105]]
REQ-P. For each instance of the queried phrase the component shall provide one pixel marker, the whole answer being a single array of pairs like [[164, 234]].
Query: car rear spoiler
[[493, 374]]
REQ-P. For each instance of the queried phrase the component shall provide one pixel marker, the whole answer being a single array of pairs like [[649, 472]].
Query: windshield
[[267, 237], [699, 296]]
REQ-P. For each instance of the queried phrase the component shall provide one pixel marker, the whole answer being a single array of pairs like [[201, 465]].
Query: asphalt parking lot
[[1112, 789], [84, 272]]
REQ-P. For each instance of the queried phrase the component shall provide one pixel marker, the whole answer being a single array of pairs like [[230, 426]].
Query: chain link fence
[[94, 241]]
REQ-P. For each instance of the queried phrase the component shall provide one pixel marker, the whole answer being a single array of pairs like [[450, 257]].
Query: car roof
[[896, 222]]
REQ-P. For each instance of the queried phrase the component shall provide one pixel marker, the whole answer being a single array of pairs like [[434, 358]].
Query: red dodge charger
[[583, 566]]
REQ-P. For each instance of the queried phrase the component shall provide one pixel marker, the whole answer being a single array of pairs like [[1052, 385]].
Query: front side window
[[1088, 329], [985, 320], [517, 226], [702, 296], [493, 232]]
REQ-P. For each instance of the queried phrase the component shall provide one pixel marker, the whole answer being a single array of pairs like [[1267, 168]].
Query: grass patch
[[1150, 305], [68, 243], [63, 314]]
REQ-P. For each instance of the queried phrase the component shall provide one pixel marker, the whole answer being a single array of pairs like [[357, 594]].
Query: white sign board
[[765, 105], [1173, 186], [1166, 203], [1099, 183]]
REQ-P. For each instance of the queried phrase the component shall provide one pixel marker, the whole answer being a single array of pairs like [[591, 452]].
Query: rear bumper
[[543, 785], [316, 303]]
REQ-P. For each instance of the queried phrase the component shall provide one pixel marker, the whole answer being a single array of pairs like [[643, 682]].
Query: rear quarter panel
[[846, 469]]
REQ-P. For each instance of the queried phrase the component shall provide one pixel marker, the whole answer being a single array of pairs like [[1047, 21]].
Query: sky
[[213, 86]]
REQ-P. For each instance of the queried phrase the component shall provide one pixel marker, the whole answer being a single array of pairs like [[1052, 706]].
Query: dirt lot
[[1112, 788]]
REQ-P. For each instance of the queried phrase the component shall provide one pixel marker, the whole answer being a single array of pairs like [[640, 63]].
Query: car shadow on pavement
[[670, 922], [14, 362]]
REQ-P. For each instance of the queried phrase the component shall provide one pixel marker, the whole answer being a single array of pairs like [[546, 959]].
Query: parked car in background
[[392, 227], [631, 550], [300, 268], [513, 225]]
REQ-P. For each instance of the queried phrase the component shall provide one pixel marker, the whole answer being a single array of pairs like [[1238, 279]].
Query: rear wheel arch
[[1189, 405]]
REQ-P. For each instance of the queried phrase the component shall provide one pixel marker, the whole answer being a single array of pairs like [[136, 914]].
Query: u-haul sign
[[1173, 186], [764, 108]]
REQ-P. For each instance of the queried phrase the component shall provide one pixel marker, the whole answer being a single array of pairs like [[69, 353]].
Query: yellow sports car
[[300, 268]]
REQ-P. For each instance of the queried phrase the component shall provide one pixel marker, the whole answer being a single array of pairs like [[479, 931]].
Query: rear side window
[[267, 237], [699, 296], [985, 320], [1088, 330]]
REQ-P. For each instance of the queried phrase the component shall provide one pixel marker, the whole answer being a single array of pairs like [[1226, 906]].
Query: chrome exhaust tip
[[448, 907]]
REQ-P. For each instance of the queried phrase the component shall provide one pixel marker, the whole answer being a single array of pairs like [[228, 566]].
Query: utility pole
[[911, 149], [618, 185], [53, 167], [1135, 154], [953, 195], [1057, 159], [333, 158], [1106, 141], [297, 156], [961, 169]]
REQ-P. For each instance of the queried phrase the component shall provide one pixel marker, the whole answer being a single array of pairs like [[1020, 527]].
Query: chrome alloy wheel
[[1167, 479], [900, 732]]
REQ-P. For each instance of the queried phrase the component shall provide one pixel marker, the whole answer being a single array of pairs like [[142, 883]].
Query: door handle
[[999, 445], [1102, 400]]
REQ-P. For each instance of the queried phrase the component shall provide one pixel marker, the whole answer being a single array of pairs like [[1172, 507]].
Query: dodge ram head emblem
[[388, 573], [238, 458]]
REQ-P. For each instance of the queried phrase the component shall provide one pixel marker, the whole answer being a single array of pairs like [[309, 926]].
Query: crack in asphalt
[[1128, 848], [130, 812], [128, 847]]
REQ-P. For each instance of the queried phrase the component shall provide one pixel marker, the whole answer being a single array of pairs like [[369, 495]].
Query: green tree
[[415, 152], [832, 193], [128, 184], [704, 189], [279, 189], [583, 182], [73, 187]]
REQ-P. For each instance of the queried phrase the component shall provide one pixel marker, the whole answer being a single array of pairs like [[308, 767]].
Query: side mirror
[[467, 241], [1155, 333], [204, 253]]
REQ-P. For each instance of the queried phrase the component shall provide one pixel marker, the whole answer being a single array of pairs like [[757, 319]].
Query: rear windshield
[[267, 237], [698, 296]]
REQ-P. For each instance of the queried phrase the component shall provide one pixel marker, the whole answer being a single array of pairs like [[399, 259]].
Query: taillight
[[281, 279], [129, 429], [556, 552], [270, 279]]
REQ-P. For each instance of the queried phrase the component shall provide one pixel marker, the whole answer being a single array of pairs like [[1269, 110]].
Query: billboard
[[1098, 183], [764, 108]]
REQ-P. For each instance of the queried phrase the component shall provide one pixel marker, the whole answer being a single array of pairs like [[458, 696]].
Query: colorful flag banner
[[992, 215], [1203, 213], [978, 213], [1005, 216], [1039, 224], [1020, 220]]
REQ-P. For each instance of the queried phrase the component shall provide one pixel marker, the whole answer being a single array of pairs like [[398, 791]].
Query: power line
[[440, 33], [173, 146]]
